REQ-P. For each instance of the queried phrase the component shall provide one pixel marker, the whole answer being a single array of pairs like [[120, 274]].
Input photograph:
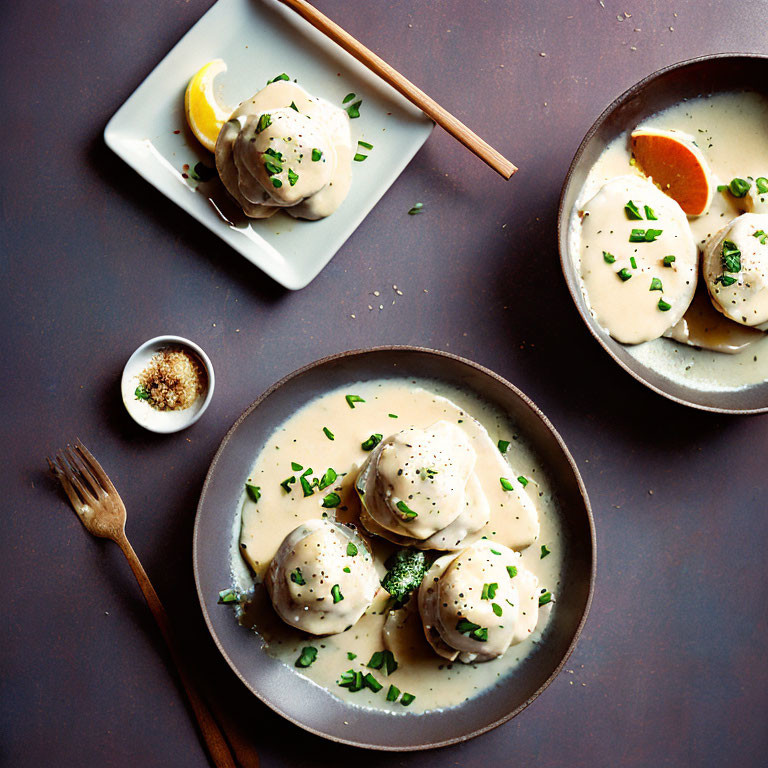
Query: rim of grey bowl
[[563, 225], [574, 469]]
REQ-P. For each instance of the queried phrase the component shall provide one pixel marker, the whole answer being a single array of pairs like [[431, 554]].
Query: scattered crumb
[[542, 54], [352, 316]]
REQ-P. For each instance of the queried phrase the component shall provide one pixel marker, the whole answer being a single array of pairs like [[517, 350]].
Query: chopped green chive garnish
[[264, 122], [496, 609], [383, 660], [141, 393], [292, 177], [371, 442], [352, 399], [293, 106], [275, 181], [392, 415], [308, 656], [633, 262], [279, 77], [475, 631], [760, 182], [272, 169], [406, 510], [329, 477], [722, 187], [632, 212], [296, 467], [417, 208], [358, 158], [505, 484], [393, 693], [731, 257], [761, 236], [649, 214], [656, 284], [328, 433], [739, 187], [494, 552], [545, 598], [351, 655], [352, 680], [644, 235], [609, 258], [331, 500], [668, 261], [346, 569], [348, 98], [253, 491], [624, 274], [663, 306], [353, 110], [372, 682], [316, 155], [286, 484], [512, 571], [503, 445], [227, 596], [406, 699], [545, 550], [336, 593], [305, 485], [489, 591], [351, 549], [523, 480], [297, 578]]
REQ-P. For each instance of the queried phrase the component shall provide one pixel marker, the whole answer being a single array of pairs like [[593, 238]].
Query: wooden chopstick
[[429, 106]]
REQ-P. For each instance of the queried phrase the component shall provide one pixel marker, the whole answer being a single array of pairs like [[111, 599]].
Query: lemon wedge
[[204, 113]]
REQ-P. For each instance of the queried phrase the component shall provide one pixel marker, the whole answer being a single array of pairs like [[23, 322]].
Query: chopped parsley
[[383, 660], [372, 683], [656, 285], [275, 181], [545, 598], [352, 399], [761, 236], [731, 257], [353, 110], [392, 415], [632, 212], [644, 235], [352, 680], [283, 76], [523, 480], [336, 593], [739, 187], [760, 182], [365, 145], [371, 442], [227, 596], [141, 393], [307, 657], [358, 158], [417, 208], [296, 467], [292, 105], [393, 693], [329, 477], [633, 262], [475, 631], [316, 155], [512, 571], [489, 591], [608, 258], [406, 699], [351, 549], [406, 510], [305, 485], [503, 445], [328, 433], [253, 491], [348, 98], [668, 261], [351, 656], [664, 306], [505, 484], [292, 177], [331, 500], [264, 122], [545, 550], [649, 214], [297, 578], [286, 484], [624, 274], [496, 609]]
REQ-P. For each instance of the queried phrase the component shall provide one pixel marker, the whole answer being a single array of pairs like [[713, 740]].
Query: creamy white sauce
[[436, 682], [730, 130], [283, 148]]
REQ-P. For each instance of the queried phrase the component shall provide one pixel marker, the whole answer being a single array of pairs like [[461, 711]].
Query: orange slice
[[676, 165]]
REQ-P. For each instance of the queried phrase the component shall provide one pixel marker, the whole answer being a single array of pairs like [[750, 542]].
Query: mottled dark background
[[671, 668]]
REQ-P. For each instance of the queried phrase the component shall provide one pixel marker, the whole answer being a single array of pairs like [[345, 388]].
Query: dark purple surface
[[670, 669]]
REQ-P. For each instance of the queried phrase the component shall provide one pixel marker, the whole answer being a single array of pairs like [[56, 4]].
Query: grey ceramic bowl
[[669, 86], [304, 703]]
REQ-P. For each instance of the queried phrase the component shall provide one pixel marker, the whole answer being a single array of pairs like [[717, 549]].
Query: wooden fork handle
[[212, 735]]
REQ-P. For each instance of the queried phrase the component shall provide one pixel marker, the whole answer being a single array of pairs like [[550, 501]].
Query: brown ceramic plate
[[669, 86], [303, 702]]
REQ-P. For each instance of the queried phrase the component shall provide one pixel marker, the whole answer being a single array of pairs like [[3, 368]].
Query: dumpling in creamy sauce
[[638, 259], [283, 148], [322, 579], [735, 269], [418, 487], [476, 604]]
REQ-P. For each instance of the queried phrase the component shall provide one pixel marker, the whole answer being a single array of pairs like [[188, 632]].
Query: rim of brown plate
[[562, 224], [574, 469]]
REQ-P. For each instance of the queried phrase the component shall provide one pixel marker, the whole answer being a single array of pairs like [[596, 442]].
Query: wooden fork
[[102, 512]]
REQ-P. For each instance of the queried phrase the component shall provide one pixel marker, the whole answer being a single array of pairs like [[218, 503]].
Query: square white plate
[[259, 39]]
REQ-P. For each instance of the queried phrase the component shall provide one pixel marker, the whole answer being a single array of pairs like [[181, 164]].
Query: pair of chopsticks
[[429, 106]]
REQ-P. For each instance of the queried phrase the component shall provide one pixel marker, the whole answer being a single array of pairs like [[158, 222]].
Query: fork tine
[[95, 468], [62, 477], [70, 475], [82, 470]]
